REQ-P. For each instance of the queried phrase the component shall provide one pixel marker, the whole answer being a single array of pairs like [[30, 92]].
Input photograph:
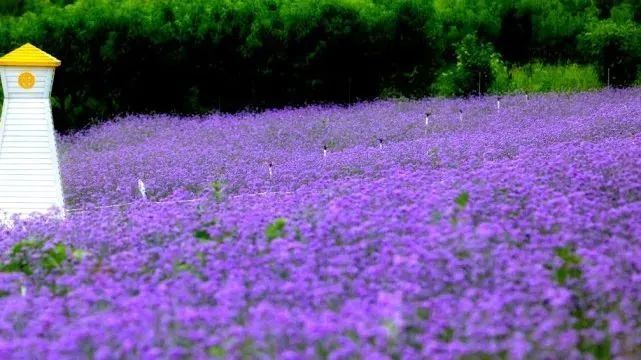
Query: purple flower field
[[512, 234]]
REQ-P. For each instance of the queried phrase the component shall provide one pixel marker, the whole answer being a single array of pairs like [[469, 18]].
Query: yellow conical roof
[[29, 55]]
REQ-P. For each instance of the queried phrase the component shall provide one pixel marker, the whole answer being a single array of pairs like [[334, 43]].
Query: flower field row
[[510, 233]]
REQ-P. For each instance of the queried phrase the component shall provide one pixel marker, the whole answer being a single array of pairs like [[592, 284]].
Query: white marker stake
[[325, 151], [23, 290], [380, 143], [141, 188], [527, 98], [427, 119], [460, 115], [270, 170], [498, 104]]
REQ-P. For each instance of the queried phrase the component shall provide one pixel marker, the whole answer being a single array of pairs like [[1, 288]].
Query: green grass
[[532, 78], [539, 77]]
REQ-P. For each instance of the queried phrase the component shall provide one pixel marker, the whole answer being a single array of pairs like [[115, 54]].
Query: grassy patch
[[538, 77]]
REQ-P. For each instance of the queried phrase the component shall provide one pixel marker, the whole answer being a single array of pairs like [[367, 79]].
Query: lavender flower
[[509, 234]]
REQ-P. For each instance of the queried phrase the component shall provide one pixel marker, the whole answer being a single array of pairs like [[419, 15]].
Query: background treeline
[[202, 55]]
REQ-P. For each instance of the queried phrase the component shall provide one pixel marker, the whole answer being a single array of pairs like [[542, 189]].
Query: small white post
[[271, 172], [460, 114], [498, 103], [427, 119], [23, 290], [324, 150], [380, 143], [142, 189], [527, 98]]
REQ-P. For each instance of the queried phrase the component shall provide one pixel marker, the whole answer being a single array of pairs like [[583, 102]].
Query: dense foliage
[[474, 72], [124, 56], [510, 233], [616, 49]]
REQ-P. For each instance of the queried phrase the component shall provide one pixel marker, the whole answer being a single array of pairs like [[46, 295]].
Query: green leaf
[[322, 352], [54, 258], [23, 245], [446, 335], [217, 351], [600, 351], [463, 199], [568, 255], [570, 268], [423, 313], [583, 322], [217, 189], [183, 266], [19, 256], [276, 229], [574, 273], [202, 235], [561, 275], [24, 268]]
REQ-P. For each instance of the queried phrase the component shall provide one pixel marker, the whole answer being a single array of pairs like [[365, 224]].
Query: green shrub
[[444, 84], [502, 78], [477, 66], [30, 256]]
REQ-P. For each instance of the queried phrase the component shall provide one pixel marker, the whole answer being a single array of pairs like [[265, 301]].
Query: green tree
[[616, 48], [473, 71]]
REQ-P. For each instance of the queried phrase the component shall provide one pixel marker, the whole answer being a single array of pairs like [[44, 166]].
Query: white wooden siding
[[41, 88], [29, 173]]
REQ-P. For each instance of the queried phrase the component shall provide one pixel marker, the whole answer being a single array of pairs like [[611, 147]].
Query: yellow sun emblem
[[26, 80]]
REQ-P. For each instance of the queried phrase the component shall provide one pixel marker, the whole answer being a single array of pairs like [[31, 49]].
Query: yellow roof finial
[[29, 55]]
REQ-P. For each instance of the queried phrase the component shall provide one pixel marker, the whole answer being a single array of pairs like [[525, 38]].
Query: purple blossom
[[511, 233]]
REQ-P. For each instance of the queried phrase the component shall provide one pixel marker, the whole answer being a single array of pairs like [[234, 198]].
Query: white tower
[[29, 172]]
